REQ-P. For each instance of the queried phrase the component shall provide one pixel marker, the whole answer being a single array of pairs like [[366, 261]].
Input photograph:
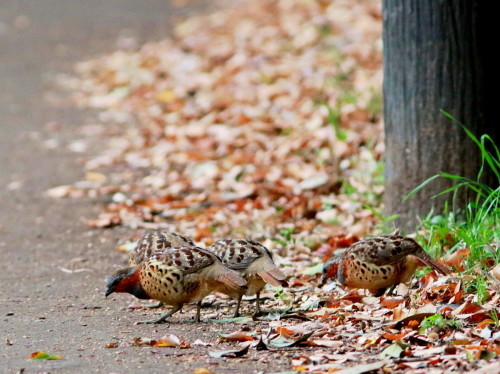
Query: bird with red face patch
[[254, 262], [154, 241], [176, 276], [379, 263]]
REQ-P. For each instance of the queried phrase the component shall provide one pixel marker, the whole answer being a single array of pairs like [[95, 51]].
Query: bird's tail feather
[[231, 278], [274, 277]]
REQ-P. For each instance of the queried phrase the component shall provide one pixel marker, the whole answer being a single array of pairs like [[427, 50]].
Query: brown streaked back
[[157, 241]]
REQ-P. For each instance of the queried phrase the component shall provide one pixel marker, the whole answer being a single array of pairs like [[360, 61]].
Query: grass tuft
[[476, 227]]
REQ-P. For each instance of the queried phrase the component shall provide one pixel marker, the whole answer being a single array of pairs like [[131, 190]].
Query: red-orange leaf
[[486, 322], [393, 337], [284, 331], [456, 258], [390, 302], [237, 336]]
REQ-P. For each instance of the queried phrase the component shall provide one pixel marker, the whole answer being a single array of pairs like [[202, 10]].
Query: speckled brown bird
[[379, 263], [175, 277], [157, 241], [254, 262]]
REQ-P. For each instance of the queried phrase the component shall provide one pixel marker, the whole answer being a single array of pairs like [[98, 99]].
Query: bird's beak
[[108, 292]]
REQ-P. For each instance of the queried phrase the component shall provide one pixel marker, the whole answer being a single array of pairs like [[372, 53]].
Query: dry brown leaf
[[237, 336], [457, 257]]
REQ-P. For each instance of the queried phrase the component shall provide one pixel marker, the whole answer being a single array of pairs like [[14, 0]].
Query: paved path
[[42, 307]]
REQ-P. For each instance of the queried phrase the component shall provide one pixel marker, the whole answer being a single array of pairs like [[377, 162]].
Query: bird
[[254, 262], [176, 276], [157, 241], [379, 263]]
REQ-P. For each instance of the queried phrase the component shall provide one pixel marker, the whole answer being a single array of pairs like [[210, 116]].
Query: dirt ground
[[53, 268]]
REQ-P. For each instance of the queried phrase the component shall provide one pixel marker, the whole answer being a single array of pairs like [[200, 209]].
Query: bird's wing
[[384, 250], [238, 254], [187, 259], [156, 241]]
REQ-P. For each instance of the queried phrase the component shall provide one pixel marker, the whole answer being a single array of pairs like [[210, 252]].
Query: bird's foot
[[161, 319], [159, 304], [260, 313]]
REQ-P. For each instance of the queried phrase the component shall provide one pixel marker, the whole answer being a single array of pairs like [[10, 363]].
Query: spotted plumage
[[379, 263], [254, 262], [176, 276], [157, 241]]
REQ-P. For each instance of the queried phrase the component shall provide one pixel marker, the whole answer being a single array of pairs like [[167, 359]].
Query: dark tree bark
[[438, 56]]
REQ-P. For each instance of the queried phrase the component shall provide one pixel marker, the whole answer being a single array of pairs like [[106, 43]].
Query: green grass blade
[[417, 189]]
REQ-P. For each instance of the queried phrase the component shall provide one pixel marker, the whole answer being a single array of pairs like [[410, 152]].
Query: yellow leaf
[[202, 371], [300, 368], [166, 96], [93, 176]]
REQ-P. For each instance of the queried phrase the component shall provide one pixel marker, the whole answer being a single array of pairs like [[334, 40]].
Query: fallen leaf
[[166, 96], [142, 342], [283, 342], [313, 182], [104, 220], [415, 317], [390, 303], [203, 371], [484, 323], [413, 323], [167, 341], [394, 350], [127, 247], [261, 346], [488, 369], [41, 355], [316, 269], [201, 343], [495, 272], [237, 336], [393, 337], [284, 331], [231, 353], [363, 368], [457, 257], [94, 176], [329, 343], [60, 191]]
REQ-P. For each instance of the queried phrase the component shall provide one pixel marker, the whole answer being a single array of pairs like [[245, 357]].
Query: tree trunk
[[436, 57]]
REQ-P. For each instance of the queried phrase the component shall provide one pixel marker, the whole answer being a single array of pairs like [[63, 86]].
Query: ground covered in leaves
[[264, 121]]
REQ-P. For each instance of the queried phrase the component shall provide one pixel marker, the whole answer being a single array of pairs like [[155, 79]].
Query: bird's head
[[330, 270], [124, 280]]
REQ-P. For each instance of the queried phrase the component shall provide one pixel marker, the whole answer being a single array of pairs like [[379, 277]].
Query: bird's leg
[[198, 311], [159, 304], [377, 292], [164, 317], [391, 290], [258, 312], [237, 311]]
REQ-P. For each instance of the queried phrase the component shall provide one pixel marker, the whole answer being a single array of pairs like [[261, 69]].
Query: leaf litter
[[264, 121], [42, 355]]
